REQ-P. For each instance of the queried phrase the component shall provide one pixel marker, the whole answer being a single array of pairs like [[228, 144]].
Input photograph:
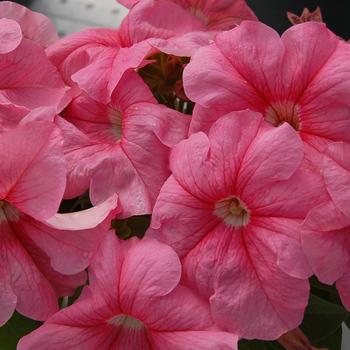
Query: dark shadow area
[[336, 13]]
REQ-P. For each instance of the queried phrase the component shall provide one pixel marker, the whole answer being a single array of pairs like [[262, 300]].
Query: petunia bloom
[[121, 147], [41, 257], [233, 210], [134, 301], [291, 79]]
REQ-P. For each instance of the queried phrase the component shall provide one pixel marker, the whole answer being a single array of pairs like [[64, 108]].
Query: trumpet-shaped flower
[[121, 147], [133, 302], [41, 258], [291, 79], [233, 210]]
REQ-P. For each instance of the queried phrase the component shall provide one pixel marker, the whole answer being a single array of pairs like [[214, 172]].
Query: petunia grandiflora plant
[[179, 182]]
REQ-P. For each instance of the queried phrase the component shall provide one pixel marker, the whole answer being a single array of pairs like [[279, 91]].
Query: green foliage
[[16, 328]]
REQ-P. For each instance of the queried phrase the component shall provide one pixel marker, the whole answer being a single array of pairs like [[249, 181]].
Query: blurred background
[[70, 16]]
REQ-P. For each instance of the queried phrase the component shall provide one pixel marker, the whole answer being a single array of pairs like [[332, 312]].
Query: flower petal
[[27, 152]]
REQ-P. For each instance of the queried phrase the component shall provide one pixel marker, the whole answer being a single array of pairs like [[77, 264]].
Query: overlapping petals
[[233, 210], [181, 27], [289, 79], [133, 302], [122, 147], [35, 256], [35, 26], [27, 78]]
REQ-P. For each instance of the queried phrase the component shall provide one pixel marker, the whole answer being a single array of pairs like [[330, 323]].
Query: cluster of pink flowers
[[234, 139]]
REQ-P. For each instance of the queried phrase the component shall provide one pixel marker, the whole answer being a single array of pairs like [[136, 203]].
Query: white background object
[[70, 16]]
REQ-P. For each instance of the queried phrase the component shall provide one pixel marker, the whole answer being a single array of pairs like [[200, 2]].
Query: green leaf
[[17, 327], [332, 342], [322, 319], [258, 345]]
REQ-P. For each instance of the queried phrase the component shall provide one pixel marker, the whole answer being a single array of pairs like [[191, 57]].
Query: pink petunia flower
[[293, 79], [41, 258], [121, 147], [233, 210], [27, 78], [35, 26], [134, 301]]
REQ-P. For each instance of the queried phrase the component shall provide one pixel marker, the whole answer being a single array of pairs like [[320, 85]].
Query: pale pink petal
[[117, 174], [63, 285], [219, 84], [337, 174], [58, 337], [184, 45], [61, 50], [105, 269], [305, 60], [283, 237], [34, 25], [274, 156], [182, 309], [149, 269], [18, 270], [86, 219], [188, 340], [27, 78], [207, 168], [10, 35], [325, 240], [8, 300], [11, 115], [28, 152], [180, 219], [250, 283], [94, 77], [98, 67], [128, 58], [203, 118], [157, 19], [328, 91], [82, 156], [231, 79], [168, 125], [70, 252]]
